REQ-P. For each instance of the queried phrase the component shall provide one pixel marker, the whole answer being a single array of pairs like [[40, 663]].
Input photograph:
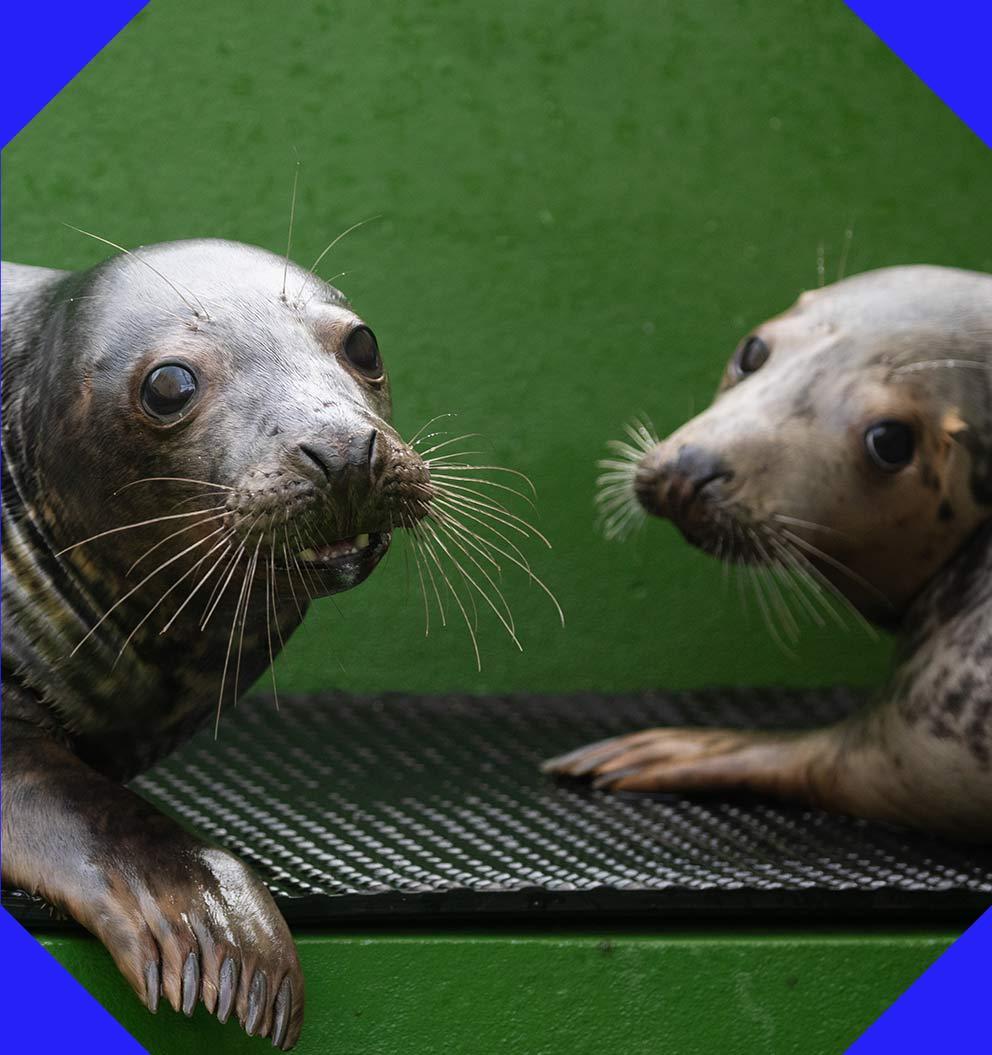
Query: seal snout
[[370, 471], [350, 463], [669, 486]]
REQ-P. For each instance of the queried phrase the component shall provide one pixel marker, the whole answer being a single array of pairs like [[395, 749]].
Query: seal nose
[[349, 459], [669, 488]]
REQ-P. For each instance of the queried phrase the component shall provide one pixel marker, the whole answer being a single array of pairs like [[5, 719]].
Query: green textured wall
[[584, 207], [516, 993]]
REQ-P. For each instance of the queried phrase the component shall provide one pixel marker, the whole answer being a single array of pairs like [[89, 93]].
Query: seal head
[[857, 424]]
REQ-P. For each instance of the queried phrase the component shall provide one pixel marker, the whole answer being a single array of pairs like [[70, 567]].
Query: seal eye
[[753, 355], [167, 390], [363, 352], [890, 445]]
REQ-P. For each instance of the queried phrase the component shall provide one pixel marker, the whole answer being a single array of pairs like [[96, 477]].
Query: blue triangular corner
[[948, 1009], [45, 44], [45, 1010], [948, 45]]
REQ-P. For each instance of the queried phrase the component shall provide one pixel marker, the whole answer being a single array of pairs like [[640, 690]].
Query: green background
[[584, 207]]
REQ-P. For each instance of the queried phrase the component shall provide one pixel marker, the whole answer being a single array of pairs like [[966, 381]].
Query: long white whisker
[[131, 592], [417, 535], [210, 484], [289, 577], [270, 603], [221, 588], [496, 512], [423, 589], [485, 525], [230, 643], [151, 611], [311, 274], [839, 565], [423, 428], [289, 236], [508, 620], [458, 601], [196, 588], [138, 524], [491, 468], [181, 531], [447, 443], [458, 483], [252, 567], [201, 314]]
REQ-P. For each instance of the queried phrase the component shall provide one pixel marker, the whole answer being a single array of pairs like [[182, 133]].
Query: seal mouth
[[341, 564], [331, 554]]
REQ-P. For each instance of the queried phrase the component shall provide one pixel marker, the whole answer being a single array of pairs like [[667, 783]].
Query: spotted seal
[[196, 444], [850, 448]]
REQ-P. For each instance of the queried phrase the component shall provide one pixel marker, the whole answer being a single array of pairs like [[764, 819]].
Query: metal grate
[[398, 807]]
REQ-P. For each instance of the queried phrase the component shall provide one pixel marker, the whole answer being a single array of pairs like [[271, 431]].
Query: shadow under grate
[[399, 808]]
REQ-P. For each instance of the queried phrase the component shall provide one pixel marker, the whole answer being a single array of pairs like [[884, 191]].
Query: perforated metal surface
[[402, 807]]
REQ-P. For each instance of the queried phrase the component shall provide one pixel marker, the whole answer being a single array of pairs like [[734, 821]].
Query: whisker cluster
[[777, 567], [226, 558], [467, 535], [619, 511]]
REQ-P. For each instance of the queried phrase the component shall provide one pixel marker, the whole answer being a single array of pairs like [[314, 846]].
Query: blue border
[[45, 1010], [949, 46], [946, 1009], [44, 45]]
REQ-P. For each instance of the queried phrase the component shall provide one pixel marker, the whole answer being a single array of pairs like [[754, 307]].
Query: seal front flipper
[[874, 765], [701, 760], [179, 917]]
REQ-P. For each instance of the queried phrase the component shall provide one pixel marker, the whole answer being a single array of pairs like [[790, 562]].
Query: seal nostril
[[315, 456], [705, 481], [373, 451]]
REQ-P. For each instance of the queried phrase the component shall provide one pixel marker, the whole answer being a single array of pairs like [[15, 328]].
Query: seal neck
[[962, 587]]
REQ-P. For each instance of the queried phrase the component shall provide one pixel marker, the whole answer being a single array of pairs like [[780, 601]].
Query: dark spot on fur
[[941, 730], [945, 511], [954, 702]]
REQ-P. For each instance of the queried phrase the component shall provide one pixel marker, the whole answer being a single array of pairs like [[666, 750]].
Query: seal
[[196, 444], [849, 451]]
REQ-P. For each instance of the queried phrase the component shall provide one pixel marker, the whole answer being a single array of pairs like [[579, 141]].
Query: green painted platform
[[731, 991]]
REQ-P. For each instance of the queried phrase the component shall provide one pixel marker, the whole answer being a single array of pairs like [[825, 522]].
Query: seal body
[[196, 444], [849, 449]]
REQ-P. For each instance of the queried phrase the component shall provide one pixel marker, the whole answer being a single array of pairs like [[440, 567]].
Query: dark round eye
[[167, 390], [890, 445], [752, 355], [363, 352]]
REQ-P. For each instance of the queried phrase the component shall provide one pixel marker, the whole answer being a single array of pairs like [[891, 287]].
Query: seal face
[[196, 444], [246, 441], [849, 447]]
